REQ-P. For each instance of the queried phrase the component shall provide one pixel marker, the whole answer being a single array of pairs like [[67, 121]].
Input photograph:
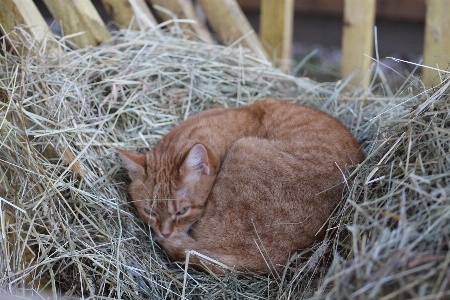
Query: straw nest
[[66, 224]]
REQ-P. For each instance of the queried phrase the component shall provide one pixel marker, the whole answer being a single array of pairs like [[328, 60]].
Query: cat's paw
[[179, 240]]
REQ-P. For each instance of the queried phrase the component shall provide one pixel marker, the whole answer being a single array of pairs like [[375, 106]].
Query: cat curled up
[[247, 186]]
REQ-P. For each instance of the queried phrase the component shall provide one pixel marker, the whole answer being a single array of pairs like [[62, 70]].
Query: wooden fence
[[229, 24], [357, 41]]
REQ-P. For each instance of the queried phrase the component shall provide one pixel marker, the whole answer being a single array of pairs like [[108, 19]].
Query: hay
[[64, 204]]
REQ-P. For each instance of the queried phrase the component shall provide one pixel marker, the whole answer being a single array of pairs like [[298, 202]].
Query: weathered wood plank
[[276, 23], [357, 39], [230, 24], [79, 16], [184, 9], [25, 12], [142, 12], [122, 12], [119, 10], [436, 52]]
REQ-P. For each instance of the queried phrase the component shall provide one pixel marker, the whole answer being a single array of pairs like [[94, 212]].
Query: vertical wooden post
[[276, 21], [230, 24], [436, 53], [184, 9], [25, 12], [79, 16], [357, 39], [122, 11]]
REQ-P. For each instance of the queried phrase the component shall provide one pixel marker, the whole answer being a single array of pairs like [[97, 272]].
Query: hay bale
[[64, 204]]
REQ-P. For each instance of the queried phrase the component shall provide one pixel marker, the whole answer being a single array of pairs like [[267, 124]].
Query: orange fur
[[246, 186]]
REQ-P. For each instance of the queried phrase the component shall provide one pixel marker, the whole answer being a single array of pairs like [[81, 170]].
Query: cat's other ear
[[195, 164], [135, 163]]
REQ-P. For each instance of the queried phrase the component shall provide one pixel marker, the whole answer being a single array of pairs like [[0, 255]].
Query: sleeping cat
[[246, 187]]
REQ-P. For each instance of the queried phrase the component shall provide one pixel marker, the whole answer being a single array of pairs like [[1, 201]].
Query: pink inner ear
[[137, 158], [195, 164], [135, 163]]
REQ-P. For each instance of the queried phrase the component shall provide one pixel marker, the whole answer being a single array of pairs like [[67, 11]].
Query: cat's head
[[169, 199]]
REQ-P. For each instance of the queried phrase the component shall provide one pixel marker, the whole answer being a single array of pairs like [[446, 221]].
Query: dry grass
[[66, 224]]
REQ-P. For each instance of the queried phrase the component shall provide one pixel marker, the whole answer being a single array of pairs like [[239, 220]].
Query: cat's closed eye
[[150, 212], [182, 211]]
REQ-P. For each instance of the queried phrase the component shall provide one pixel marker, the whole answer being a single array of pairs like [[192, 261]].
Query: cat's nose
[[166, 234]]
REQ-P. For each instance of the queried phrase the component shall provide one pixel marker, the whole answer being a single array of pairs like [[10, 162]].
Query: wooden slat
[[25, 12], [357, 39], [122, 12], [184, 9], [119, 10], [406, 10], [230, 24], [79, 16], [276, 31], [142, 12], [436, 52]]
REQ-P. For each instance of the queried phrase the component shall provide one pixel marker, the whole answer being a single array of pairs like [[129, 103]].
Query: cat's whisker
[[146, 200], [143, 185]]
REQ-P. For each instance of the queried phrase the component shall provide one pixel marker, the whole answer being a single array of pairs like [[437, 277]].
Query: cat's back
[[216, 129], [287, 120], [307, 133]]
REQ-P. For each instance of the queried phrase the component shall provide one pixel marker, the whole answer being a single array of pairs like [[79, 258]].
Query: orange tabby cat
[[247, 186]]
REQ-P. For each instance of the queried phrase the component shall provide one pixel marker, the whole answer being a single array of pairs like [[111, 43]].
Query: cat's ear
[[195, 164], [134, 162]]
